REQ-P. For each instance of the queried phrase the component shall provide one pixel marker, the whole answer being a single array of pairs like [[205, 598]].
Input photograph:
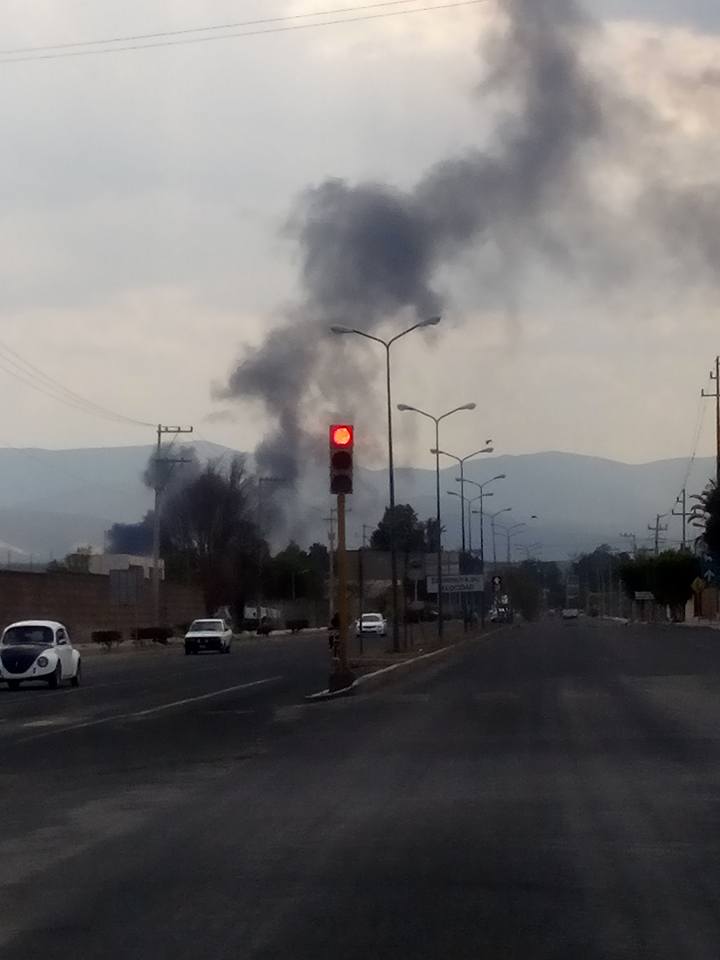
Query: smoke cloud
[[370, 252]]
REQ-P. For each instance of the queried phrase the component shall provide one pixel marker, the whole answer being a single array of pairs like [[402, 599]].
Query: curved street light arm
[[405, 408], [431, 322], [464, 406]]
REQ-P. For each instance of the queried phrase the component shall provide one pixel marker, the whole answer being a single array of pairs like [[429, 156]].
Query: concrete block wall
[[83, 602]]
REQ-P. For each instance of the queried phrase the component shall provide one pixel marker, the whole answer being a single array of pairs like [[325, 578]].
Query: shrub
[[156, 634], [106, 638]]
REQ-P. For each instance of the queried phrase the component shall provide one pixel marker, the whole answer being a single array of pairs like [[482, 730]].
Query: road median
[[375, 672]]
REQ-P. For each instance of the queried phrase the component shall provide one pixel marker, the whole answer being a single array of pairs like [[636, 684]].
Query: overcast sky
[[146, 196]]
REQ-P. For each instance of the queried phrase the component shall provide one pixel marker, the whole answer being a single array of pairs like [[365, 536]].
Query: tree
[[209, 533], [668, 577], [319, 564], [430, 534], [286, 573], [597, 571], [522, 585], [708, 512], [409, 532]]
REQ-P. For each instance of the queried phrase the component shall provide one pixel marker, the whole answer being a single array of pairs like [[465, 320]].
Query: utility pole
[[715, 375], [682, 500], [633, 540], [658, 529], [159, 484], [261, 481]]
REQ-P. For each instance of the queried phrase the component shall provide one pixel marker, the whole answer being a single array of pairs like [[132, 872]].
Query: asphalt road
[[550, 791]]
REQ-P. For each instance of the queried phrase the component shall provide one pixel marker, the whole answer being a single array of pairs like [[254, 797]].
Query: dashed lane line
[[150, 711]]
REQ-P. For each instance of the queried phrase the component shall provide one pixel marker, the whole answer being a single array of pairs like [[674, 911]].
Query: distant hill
[[53, 500]]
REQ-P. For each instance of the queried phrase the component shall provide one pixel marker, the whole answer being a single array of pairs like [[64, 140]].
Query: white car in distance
[[38, 650], [371, 624], [211, 634]]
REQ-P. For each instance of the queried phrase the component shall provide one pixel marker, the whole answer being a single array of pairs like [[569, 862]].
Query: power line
[[699, 424], [103, 50], [26, 372], [214, 27]]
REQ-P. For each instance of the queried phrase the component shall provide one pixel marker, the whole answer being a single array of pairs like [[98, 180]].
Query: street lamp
[[509, 532], [488, 448], [469, 501], [341, 330], [493, 517], [481, 488], [405, 408]]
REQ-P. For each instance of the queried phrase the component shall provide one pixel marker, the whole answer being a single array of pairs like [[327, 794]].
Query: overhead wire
[[25, 371], [213, 27], [103, 47], [699, 424]]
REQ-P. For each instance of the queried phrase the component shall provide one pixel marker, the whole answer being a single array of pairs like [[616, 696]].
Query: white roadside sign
[[457, 583]]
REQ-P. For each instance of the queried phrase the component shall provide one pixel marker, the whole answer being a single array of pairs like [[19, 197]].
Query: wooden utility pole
[[261, 481], [715, 375], [658, 529], [159, 484], [682, 501]]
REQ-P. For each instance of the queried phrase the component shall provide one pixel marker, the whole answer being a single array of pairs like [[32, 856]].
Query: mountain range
[[54, 500]]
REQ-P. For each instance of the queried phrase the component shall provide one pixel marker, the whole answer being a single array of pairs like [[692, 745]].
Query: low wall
[[83, 602]]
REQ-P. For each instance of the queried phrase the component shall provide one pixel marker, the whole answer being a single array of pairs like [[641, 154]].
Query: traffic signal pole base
[[340, 680]]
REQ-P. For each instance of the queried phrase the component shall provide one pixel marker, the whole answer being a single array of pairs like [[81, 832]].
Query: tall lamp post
[[471, 502], [481, 497], [488, 448], [493, 517], [337, 328], [510, 531], [481, 488], [404, 408]]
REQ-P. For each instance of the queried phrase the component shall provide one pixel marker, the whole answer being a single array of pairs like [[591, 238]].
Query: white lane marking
[[203, 696], [151, 710]]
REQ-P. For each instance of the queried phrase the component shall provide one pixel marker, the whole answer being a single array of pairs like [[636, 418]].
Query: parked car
[[38, 650], [371, 624], [570, 613], [208, 635]]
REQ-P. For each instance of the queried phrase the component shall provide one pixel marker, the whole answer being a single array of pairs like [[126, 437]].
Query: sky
[[150, 243]]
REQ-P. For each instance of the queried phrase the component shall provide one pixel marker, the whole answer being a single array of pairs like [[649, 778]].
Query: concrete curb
[[378, 677]]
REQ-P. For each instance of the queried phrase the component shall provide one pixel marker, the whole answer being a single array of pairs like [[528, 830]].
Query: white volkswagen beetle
[[38, 650]]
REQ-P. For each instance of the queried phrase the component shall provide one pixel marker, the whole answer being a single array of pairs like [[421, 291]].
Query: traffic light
[[342, 439]]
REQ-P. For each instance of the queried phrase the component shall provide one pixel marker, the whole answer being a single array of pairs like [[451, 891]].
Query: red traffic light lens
[[341, 436]]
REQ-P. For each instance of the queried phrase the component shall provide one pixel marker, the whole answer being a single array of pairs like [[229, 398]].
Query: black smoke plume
[[370, 252]]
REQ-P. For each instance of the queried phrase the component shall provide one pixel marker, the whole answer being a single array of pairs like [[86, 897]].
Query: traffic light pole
[[342, 677]]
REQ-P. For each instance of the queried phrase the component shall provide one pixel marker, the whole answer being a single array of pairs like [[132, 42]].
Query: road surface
[[550, 791]]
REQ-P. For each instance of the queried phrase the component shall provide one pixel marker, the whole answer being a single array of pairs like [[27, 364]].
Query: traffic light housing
[[342, 441]]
